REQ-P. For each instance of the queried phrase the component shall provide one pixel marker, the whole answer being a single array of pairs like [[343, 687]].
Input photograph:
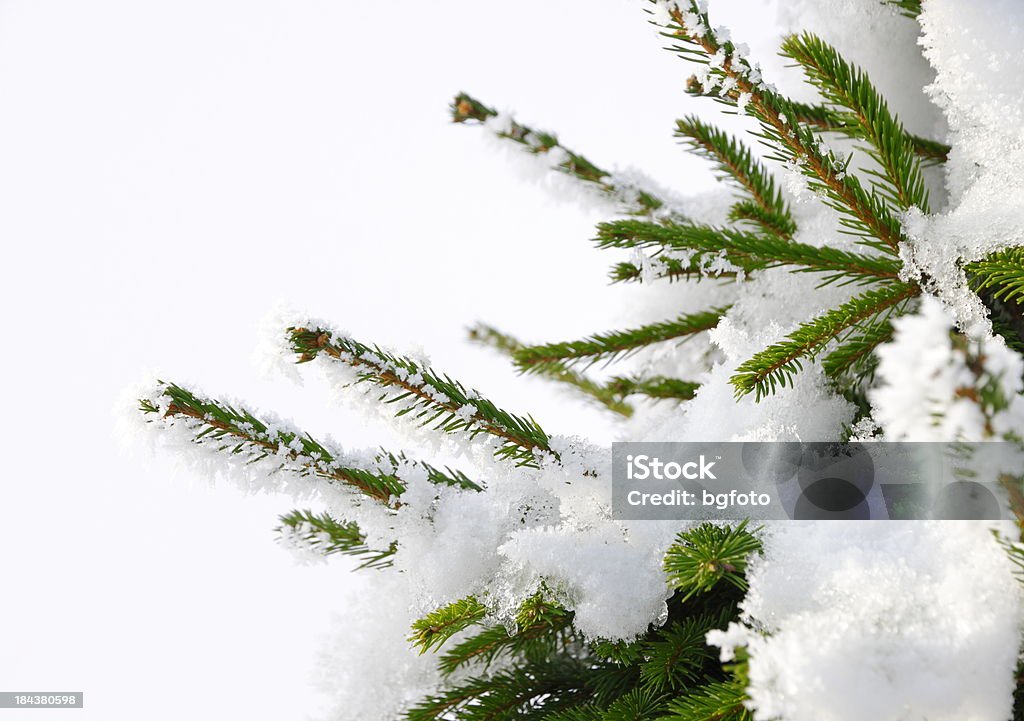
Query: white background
[[170, 170]]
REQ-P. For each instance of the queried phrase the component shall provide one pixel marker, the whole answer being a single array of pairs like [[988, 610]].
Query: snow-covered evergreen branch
[[245, 439], [635, 200], [322, 534], [740, 83]]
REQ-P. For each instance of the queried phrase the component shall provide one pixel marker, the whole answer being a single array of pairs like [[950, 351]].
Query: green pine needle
[[528, 690], [855, 354], [678, 657], [1001, 273], [909, 8], [657, 387], [826, 119], [539, 631], [750, 252], [769, 221]]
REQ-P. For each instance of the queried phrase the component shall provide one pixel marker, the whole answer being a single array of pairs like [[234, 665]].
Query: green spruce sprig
[[855, 355], [321, 533], [541, 629], [656, 387], [735, 162], [777, 364], [825, 119], [431, 631], [537, 688], [613, 401], [721, 701], [432, 399], [865, 214], [865, 116], [748, 251], [635, 201], [614, 344], [909, 8], [677, 658], [1001, 273], [243, 436]]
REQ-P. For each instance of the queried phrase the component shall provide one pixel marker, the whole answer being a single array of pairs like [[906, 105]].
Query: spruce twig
[[737, 163], [1001, 273], [702, 557], [855, 354], [241, 434], [657, 387], [326, 535], [827, 120], [749, 252], [431, 398], [431, 631], [538, 632], [740, 84], [866, 117], [714, 702], [637, 201], [776, 365], [493, 338], [614, 344]]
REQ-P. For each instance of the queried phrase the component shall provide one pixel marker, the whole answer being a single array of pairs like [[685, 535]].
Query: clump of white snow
[[979, 87], [927, 383], [884, 621]]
